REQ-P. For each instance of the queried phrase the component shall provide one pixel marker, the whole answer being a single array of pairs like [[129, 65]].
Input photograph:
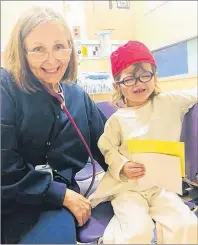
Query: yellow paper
[[172, 148]]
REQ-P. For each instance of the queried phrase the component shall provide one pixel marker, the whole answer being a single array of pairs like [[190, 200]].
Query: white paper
[[161, 170]]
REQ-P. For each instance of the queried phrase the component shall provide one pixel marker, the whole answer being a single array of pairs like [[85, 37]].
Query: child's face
[[136, 92]]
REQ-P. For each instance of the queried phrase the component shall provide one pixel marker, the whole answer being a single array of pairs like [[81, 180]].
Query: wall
[[99, 17], [171, 22], [162, 26], [178, 83], [72, 11], [192, 56], [11, 10], [94, 65], [75, 16]]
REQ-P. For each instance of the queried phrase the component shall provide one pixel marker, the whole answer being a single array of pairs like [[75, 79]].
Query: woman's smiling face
[[48, 52]]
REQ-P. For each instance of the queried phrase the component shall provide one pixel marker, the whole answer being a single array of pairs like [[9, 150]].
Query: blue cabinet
[[172, 60]]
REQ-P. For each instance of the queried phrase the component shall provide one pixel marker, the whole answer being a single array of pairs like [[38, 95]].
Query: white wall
[[75, 16], [192, 56], [171, 22], [72, 11], [11, 10]]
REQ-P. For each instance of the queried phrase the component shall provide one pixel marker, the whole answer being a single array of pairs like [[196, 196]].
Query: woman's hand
[[133, 170], [78, 205]]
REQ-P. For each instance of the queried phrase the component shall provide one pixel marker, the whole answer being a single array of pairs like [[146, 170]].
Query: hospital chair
[[93, 230]]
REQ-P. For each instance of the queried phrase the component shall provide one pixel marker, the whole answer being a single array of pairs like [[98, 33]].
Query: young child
[[145, 113]]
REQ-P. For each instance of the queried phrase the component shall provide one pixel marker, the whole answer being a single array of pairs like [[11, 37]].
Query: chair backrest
[[106, 107], [189, 135]]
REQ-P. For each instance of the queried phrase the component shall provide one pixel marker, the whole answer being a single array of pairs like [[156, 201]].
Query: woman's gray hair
[[15, 55]]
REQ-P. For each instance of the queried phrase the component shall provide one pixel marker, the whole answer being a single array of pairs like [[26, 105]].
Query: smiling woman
[[41, 151]]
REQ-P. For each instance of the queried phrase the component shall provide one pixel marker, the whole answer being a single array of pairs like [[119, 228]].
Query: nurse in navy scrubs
[[43, 207]]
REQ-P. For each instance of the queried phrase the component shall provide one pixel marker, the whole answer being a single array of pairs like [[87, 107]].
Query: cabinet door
[[107, 15]]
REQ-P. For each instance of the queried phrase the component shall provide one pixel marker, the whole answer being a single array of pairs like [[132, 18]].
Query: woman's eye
[[38, 49], [59, 46]]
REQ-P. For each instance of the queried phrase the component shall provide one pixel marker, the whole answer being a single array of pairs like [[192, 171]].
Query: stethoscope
[[93, 162]]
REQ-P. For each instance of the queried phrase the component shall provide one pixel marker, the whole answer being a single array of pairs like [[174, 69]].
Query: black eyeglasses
[[144, 77]]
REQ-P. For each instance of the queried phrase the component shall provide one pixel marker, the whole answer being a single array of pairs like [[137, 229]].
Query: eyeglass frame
[[136, 79], [31, 52]]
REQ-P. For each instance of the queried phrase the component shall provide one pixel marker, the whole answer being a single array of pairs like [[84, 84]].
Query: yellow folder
[[173, 148]]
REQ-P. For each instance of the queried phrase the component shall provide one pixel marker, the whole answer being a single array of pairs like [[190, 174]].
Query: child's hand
[[133, 170]]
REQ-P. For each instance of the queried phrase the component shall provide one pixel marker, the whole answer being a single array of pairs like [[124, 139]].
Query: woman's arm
[[20, 182]]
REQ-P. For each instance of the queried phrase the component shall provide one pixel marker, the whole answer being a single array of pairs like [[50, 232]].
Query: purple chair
[[106, 107], [102, 214], [87, 172], [189, 136]]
